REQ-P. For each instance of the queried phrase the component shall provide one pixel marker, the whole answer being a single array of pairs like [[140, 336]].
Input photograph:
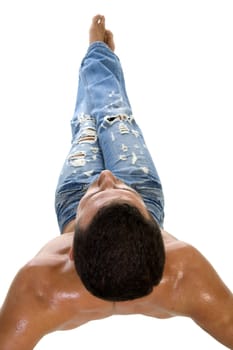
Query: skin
[[57, 300]]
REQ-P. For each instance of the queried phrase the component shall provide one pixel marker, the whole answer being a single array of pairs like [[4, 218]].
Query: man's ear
[[71, 254]]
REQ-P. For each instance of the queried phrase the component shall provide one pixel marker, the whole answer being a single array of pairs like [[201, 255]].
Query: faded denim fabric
[[105, 136]]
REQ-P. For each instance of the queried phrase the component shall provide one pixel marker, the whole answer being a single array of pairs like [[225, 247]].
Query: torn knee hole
[[77, 159], [111, 119], [89, 135], [86, 139]]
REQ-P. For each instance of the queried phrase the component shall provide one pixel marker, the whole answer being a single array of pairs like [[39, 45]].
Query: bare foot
[[108, 39], [97, 29], [99, 33]]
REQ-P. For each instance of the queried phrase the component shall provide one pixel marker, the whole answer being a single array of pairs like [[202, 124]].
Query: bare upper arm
[[18, 314], [208, 301]]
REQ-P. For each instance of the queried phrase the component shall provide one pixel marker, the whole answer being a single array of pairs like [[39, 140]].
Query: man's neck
[[70, 227]]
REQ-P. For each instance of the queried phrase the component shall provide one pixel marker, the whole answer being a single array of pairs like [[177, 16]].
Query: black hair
[[120, 255]]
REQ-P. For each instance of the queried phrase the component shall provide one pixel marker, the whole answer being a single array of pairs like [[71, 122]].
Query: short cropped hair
[[120, 255]]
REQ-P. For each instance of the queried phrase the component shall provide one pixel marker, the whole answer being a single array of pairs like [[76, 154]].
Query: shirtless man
[[48, 294]]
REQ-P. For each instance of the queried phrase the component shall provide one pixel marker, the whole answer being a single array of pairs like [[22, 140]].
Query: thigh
[[124, 149], [127, 156], [82, 166], [85, 158]]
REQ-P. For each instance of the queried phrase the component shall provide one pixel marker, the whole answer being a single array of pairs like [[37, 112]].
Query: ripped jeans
[[105, 136]]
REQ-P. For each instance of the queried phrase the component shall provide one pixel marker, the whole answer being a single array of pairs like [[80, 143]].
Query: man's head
[[118, 249]]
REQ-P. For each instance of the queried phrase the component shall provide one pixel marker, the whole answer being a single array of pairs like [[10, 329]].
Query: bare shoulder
[[190, 282], [195, 271], [171, 293], [46, 271], [178, 253], [197, 290], [49, 295], [50, 269], [57, 246], [51, 257]]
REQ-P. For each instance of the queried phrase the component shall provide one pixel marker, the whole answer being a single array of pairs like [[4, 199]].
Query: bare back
[[56, 297], [168, 299]]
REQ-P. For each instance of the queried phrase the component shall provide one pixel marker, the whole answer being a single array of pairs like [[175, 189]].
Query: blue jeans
[[105, 136]]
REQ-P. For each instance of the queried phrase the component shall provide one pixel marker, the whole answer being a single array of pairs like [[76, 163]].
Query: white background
[[177, 57]]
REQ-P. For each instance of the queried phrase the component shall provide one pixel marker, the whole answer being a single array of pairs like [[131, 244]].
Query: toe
[[98, 19]]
